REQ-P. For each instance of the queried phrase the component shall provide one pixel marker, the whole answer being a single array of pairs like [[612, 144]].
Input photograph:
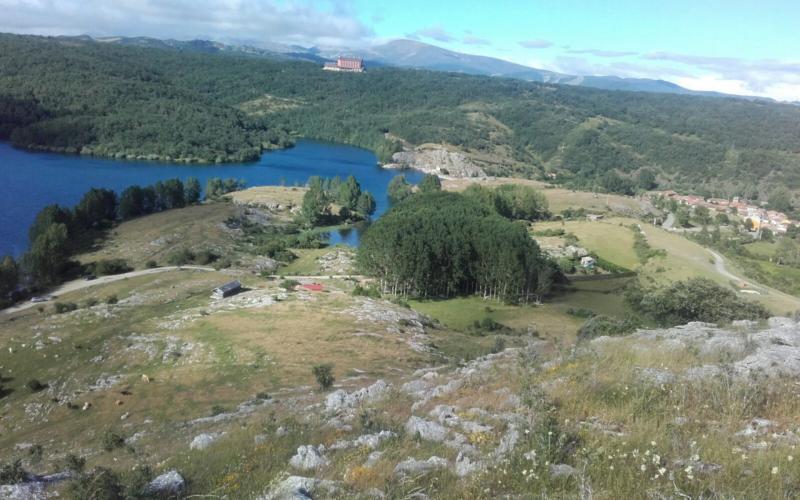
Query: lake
[[30, 180]]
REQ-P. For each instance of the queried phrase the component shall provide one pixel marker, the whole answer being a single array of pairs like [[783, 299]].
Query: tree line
[[354, 204], [59, 232], [105, 99], [441, 244]]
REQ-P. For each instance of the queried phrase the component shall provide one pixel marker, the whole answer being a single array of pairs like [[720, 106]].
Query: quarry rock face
[[437, 161]]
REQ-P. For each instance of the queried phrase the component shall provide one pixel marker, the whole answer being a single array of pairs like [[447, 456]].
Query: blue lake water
[[31, 180]]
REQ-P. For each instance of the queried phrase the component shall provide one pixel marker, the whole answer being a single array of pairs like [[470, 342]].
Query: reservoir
[[30, 180]]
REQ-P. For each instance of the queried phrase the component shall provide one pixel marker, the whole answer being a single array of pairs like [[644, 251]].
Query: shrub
[[217, 410], [111, 299], [181, 257], [289, 284], [12, 473], [601, 326], [204, 257], [63, 307], [324, 375], [74, 463], [694, 299], [100, 483], [112, 441], [91, 302], [107, 267], [499, 345], [366, 291], [581, 313], [151, 264], [34, 385]]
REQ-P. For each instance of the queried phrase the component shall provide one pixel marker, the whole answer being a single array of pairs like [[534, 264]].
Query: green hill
[[78, 95]]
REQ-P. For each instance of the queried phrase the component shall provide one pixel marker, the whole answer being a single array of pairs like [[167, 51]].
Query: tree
[[694, 299], [49, 215], [191, 191], [132, 203], [702, 215], [347, 193], [97, 209], [430, 183], [9, 276], [683, 217], [646, 179], [787, 252], [48, 255], [366, 204], [399, 189], [780, 199], [315, 208]]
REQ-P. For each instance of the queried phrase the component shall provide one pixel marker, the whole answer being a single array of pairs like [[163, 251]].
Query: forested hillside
[[115, 100]]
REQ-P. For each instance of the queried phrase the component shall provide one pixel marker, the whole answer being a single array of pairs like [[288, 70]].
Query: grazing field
[[549, 320], [559, 199], [269, 196], [610, 239], [154, 237]]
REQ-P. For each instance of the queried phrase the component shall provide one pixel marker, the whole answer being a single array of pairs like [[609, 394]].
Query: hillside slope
[[117, 100]]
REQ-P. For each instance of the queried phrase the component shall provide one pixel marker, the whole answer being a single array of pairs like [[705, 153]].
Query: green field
[[610, 239]]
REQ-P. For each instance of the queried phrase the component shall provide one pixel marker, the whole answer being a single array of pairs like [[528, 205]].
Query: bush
[[12, 473], [74, 463], [91, 302], [112, 441], [694, 299], [63, 307], [499, 345], [34, 385], [204, 257], [289, 284], [601, 326], [151, 264], [111, 299], [181, 257], [108, 267], [581, 313], [324, 375], [369, 291], [100, 484]]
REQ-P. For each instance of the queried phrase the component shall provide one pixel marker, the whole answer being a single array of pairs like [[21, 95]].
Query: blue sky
[[736, 46]]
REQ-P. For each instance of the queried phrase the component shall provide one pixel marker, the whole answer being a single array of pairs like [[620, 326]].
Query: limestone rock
[[425, 429], [203, 441], [413, 466], [308, 457], [169, 483]]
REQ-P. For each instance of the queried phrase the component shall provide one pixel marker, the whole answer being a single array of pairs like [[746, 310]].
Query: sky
[[743, 47]]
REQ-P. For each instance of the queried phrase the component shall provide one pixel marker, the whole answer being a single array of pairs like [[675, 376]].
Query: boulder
[[413, 466], [203, 441], [168, 484], [302, 488], [562, 470], [341, 399], [24, 491], [308, 457], [425, 429], [466, 466]]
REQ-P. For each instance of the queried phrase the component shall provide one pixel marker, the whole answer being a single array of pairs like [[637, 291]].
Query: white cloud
[[537, 43], [437, 33], [301, 22]]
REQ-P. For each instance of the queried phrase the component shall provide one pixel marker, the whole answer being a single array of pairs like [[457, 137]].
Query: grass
[[610, 239], [307, 263], [269, 196], [558, 199], [550, 320], [156, 236]]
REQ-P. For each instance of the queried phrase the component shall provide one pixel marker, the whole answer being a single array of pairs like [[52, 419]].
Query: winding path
[[72, 286], [719, 265]]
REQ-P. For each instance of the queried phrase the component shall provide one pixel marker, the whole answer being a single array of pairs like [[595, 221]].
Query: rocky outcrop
[[436, 161], [343, 400], [298, 487], [308, 457], [769, 351], [203, 441], [168, 484], [413, 466]]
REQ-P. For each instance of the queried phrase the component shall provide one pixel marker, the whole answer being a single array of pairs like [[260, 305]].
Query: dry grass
[[156, 236], [269, 196], [558, 199]]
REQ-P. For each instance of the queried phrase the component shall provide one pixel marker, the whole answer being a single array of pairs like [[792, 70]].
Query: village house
[[226, 290], [346, 64]]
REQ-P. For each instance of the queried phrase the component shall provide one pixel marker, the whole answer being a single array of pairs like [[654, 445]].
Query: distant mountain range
[[413, 54]]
